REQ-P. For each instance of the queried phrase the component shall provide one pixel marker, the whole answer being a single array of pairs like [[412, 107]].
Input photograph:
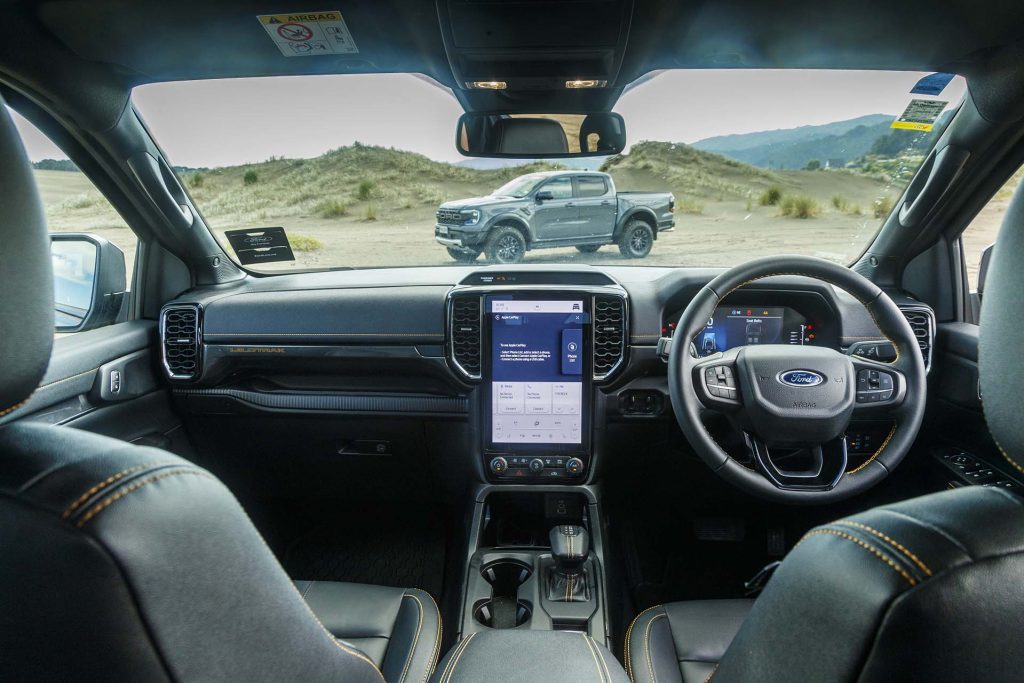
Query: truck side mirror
[[88, 281], [986, 257], [543, 196]]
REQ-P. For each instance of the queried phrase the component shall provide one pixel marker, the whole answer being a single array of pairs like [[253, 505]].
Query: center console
[[536, 349]]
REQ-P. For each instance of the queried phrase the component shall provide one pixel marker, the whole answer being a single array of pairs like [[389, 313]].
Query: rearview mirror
[[540, 136], [88, 281]]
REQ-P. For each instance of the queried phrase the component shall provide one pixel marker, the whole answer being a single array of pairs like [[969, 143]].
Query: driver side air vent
[[922, 321], [181, 340], [464, 331], [609, 334]]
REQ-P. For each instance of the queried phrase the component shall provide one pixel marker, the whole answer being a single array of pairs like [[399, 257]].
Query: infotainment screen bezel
[[587, 377]]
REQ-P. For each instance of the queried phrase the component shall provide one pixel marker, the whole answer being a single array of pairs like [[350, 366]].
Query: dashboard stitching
[[322, 334]]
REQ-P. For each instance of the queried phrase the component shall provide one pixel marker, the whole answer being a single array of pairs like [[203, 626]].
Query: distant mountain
[[833, 143]]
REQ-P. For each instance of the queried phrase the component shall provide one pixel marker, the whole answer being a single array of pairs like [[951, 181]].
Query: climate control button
[[574, 466], [536, 465], [499, 465]]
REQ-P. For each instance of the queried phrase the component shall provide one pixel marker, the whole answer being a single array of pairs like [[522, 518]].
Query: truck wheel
[[506, 245], [587, 248], [637, 240], [463, 255]]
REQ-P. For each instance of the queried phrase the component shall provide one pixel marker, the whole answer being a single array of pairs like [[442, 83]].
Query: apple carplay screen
[[538, 377]]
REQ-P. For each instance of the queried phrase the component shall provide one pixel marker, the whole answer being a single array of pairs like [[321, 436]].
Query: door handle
[[570, 204], [606, 203]]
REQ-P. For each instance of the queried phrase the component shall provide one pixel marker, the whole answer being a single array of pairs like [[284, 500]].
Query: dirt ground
[[723, 234]]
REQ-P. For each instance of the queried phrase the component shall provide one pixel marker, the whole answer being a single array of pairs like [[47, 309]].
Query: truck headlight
[[470, 217]]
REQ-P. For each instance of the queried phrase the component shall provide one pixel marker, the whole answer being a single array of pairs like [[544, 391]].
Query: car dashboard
[[518, 375]]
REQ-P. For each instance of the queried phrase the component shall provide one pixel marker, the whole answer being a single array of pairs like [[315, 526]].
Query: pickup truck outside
[[554, 209]]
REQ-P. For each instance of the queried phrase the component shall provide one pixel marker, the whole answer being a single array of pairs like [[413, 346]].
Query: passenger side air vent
[[922, 321], [181, 340], [609, 334], [464, 332]]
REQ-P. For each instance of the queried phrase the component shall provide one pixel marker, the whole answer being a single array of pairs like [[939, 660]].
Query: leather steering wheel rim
[[887, 317]]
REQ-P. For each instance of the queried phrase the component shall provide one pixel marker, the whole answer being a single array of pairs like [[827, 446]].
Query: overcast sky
[[219, 123]]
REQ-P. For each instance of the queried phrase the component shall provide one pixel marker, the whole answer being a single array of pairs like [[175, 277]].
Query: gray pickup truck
[[554, 209]]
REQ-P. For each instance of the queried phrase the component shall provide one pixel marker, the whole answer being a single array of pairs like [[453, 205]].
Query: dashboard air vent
[[609, 334], [464, 329], [181, 340], [923, 323]]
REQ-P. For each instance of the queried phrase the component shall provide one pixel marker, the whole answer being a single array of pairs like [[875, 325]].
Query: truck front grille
[[449, 217]]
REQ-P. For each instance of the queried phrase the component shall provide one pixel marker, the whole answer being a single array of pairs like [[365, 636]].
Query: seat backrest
[[928, 589], [119, 562]]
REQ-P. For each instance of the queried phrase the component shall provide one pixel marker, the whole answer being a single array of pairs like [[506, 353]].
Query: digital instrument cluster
[[743, 325]]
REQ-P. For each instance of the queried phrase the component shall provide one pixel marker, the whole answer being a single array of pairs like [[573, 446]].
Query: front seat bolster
[[682, 641], [399, 629]]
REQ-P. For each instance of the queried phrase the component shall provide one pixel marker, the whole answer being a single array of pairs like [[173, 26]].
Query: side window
[[72, 204], [983, 229], [560, 188], [591, 186]]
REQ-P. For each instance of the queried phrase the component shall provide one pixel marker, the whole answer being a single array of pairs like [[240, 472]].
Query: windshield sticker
[[260, 245], [308, 34], [920, 115], [932, 84]]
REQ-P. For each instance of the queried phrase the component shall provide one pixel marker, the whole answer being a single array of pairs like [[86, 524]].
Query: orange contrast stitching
[[896, 544], [875, 551], [629, 634], [100, 507], [102, 485], [874, 456], [647, 647]]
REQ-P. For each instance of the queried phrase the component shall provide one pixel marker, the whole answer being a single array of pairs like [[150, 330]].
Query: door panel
[[558, 218], [105, 381], [597, 207]]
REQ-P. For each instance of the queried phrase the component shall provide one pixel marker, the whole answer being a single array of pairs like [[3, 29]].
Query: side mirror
[[543, 196], [88, 281], [986, 257]]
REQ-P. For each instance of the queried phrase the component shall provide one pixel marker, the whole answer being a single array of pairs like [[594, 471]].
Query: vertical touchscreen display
[[537, 370]]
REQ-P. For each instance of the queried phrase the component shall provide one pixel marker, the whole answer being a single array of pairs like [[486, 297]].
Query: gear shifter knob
[[570, 546]]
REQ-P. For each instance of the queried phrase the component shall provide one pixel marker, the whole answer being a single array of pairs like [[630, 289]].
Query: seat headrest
[[528, 136], [26, 282], [1002, 336]]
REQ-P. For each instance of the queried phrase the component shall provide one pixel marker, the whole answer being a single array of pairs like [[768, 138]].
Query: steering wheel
[[793, 404]]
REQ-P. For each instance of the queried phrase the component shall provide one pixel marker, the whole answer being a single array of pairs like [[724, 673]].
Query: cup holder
[[504, 609]]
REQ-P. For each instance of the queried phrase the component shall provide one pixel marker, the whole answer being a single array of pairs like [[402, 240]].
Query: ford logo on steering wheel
[[800, 378]]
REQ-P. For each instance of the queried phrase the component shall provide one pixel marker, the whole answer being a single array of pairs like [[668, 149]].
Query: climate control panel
[[513, 467]]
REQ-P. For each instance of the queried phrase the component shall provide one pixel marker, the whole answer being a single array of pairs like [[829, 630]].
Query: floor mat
[[406, 550]]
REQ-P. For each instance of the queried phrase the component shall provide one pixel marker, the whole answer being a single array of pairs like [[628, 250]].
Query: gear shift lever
[[570, 547]]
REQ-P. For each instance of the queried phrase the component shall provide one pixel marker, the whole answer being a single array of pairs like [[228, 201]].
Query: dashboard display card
[[537, 376], [260, 245]]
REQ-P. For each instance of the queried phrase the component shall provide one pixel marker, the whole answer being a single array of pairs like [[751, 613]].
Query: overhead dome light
[[585, 84], [487, 85]]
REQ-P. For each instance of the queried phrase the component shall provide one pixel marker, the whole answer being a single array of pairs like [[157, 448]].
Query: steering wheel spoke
[[716, 381], [817, 467], [880, 386]]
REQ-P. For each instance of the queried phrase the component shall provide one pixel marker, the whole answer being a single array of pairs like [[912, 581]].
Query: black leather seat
[[122, 562], [928, 589]]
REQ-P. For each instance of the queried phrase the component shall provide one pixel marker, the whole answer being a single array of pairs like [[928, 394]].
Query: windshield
[[721, 166], [520, 187]]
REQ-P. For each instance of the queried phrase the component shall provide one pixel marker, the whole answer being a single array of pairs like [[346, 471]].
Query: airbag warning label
[[308, 34]]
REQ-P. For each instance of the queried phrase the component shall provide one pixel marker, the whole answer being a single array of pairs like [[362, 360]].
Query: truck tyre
[[636, 240], [463, 255], [506, 245], [587, 248]]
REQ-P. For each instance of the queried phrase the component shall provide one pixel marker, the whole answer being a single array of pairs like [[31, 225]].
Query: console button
[[574, 466], [499, 465], [536, 465]]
